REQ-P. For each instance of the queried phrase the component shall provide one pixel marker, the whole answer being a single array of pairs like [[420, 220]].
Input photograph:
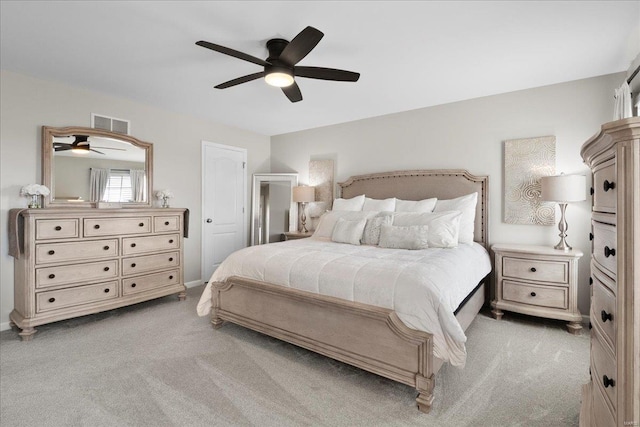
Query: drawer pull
[[52, 300], [591, 191], [590, 325], [58, 228], [608, 185], [166, 223], [170, 240], [606, 381], [141, 224], [591, 280], [170, 277], [606, 316], [609, 252], [133, 285], [106, 269], [52, 252], [533, 294], [133, 265], [52, 276], [133, 245], [106, 291], [590, 236], [533, 269], [170, 259], [96, 226]]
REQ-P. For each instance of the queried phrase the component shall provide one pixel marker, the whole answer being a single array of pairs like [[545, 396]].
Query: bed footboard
[[371, 338]]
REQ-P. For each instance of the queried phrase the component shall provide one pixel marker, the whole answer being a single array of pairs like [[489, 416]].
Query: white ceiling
[[410, 54]]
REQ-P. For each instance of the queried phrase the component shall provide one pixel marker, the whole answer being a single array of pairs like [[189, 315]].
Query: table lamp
[[303, 195], [563, 189]]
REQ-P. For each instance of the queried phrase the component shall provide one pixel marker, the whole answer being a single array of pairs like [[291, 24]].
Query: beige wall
[[27, 103], [469, 135]]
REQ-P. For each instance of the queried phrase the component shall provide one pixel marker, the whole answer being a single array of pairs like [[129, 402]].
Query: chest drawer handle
[[591, 280], [52, 300], [590, 236], [107, 290], [52, 276], [96, 226], [171, 241], [106, 269], [52, 252], [170, 277], [608, 185], [133, 285], [591, 191], [533, 269], [133, 265], [58, 228], [133, 245], [606, 316], [166, 223], [141, 224], [606, 381], [533, 294], [170, 259], [609, 252], [106, 248]]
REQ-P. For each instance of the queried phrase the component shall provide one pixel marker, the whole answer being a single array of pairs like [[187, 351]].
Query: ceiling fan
[[280, 67], [80, 145]]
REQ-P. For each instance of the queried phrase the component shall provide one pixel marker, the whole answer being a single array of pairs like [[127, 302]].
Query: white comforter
[[423, 287]]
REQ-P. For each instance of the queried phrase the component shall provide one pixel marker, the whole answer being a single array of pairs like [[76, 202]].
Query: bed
[[374, 337]]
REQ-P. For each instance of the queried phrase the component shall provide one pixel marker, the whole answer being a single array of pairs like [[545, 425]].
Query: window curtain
[[137, 185], [622, 107], [98, 184]]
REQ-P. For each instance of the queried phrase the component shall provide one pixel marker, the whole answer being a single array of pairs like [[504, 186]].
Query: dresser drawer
[[76, 251], [166, 223], [57, 229], [140, 264], [602, 414], [116, 226], [605, 191], [540, 271], [603, 370], [604, 246], [79, 295], [136, 245], [543, 296], [603, 310], [150, 281], [76, 273]]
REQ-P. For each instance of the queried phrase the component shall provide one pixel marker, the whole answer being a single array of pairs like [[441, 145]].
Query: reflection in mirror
[[83, 166], [272, 209]]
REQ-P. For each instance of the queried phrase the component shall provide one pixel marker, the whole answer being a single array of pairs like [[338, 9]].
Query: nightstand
[[538, 281], [293, 235]]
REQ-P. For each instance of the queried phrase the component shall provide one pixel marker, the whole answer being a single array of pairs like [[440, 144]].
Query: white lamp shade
[[564, 188], [304, 194]]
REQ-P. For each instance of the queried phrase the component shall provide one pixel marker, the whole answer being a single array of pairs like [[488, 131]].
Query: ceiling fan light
[[80, 149], [279, 79]]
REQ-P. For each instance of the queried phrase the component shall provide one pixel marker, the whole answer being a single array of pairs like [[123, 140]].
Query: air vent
[[110, 123]]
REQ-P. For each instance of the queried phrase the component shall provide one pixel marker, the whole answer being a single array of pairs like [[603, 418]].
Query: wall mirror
[[272, 208], [83, 166]]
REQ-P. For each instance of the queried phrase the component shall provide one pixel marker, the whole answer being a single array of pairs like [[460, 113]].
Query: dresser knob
[[52, 276], [591, 280], [605, 316], [106, 269], [590, 325], [533, 269], [133, 265], [96, 226], [133, 245], [106, 248], [171, 241], [591, 191], [533, 294], [608, 185], [133, 285], [141, 224], [58, 228], [609, 252], [170, 277], [106, 291], [590, 236], [52, 252], [606, 381], [52, 299], [166, 223], [170, 259]]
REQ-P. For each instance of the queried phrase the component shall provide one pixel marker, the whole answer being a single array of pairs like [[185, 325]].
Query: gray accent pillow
[[404, 237], [371, 234]]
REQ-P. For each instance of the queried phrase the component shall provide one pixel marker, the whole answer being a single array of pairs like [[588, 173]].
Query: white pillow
[[352, 204], [401, 237], [385, 205], [348, 231], [466, 205], [425, 205], [328, 221], [371, 234], [443, 226]]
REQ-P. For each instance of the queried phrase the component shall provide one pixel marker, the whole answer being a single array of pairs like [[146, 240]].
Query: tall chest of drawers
[[70, 262], [612, 397]]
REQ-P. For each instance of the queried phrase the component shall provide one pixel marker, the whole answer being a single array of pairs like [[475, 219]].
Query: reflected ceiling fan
[[280, 67], [80, 145]]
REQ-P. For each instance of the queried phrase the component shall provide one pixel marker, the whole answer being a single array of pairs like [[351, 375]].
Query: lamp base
[[303, 218], [563, 226], [562, 245]]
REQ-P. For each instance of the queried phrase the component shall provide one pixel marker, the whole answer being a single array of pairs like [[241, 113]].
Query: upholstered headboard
[[424, 184]]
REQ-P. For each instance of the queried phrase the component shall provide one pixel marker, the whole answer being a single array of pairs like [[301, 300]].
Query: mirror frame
[[258, 179], [49, 132]]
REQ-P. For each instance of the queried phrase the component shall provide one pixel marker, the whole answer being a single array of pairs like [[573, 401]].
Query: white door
[[223, 204]]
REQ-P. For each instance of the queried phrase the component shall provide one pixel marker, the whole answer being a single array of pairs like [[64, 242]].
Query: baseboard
[[4, 326], [194, 283]]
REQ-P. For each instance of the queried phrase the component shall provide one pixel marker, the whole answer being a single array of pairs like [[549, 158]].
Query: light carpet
[[158, 364]]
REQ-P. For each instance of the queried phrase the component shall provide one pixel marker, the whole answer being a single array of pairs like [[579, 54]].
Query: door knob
[[209, 220]]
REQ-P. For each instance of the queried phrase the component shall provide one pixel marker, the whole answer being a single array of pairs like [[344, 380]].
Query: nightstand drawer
[[543, 296], [603, 310], [540, 271], [604, 246], [605, 187], [603, 370]]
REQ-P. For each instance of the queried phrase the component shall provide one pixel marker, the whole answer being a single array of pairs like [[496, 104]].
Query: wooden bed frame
[[369, 337]]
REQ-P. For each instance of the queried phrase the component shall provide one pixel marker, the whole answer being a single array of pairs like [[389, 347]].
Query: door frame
[[204, 145]]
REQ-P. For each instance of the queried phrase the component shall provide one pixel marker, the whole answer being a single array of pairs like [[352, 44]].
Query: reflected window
[[118, 186]]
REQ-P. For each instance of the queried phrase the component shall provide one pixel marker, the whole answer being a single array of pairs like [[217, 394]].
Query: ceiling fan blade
[[240, 80], [65, 147], [293, 92], [96, 151], [326, 74], [301, 45], [232, 52], [110, 148]]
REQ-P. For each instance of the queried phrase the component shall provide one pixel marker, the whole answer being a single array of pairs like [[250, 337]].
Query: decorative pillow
[[466, 205], [352, 204], [404, 237], [443, 226], [425, 205], [348, 231], [385, 205], [371, 235], [328, 221]]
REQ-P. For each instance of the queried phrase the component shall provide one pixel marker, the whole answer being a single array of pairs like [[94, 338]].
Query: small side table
[[293, 235], [538, 281]]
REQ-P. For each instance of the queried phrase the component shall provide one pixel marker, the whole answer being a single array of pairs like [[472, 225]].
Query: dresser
[[74, 262], [612, 397], [539, 281]]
